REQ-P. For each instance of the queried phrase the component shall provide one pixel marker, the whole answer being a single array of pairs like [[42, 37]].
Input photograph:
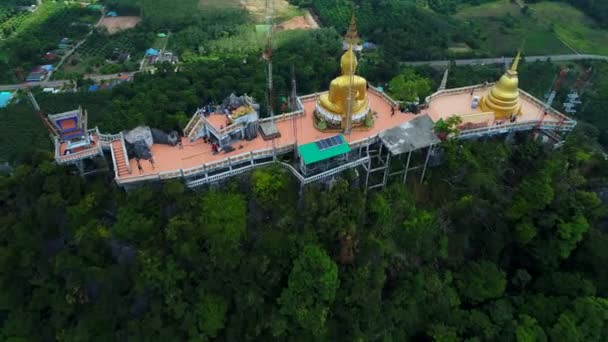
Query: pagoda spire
[[516, 62], [352, 37]]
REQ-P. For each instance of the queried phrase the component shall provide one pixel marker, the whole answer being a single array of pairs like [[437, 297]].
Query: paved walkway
[[60, 83], [437, 63]]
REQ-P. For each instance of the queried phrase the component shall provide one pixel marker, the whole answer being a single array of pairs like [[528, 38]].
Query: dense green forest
[[503, 241], [506, 240], [404, 30]]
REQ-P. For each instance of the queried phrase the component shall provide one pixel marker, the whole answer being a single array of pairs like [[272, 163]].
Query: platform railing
[[384, 96], [519, 126], [363, 142], [77, 156], [114, 163], [458, 90], [124, 151], [193, 121]]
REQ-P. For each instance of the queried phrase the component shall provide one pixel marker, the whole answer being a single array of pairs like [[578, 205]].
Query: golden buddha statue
[[503, 98], [348, 92]]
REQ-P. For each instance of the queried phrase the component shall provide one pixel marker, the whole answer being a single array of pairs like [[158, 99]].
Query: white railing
[[124, 151], [193, 121], [124, 181], [364, 141], [114, 163], [550, 110], [108, 138], [384, 96], [524, 94], [458, 90], [283, 117], [225, 175], [77, 156], [336, 170], [519, 126]]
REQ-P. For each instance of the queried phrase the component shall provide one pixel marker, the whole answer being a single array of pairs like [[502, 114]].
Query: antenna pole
[[268, 58]]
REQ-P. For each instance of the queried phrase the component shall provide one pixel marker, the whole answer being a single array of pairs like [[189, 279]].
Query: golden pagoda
[[347, 94], [503, 98]]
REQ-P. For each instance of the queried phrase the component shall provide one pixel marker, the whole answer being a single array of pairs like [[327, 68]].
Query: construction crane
[[40, 114], [267, 56], [550, 96], [352, 38], [557, 82]]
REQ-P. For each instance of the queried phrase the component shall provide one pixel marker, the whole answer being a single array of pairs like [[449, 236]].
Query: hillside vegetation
[[502, 242]]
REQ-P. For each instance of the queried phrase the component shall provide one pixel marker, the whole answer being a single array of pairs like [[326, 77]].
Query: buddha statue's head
[[348, 62]]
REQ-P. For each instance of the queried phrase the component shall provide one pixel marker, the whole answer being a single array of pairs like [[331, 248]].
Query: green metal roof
[[311, 153]]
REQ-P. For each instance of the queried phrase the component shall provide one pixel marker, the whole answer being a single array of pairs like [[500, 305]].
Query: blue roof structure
[[152, 52], [112, 14], [35, 77], [94, 87], [5, 98], [48, 67]]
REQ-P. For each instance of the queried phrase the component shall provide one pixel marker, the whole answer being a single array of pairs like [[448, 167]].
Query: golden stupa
[[337, 102], [503, 98]]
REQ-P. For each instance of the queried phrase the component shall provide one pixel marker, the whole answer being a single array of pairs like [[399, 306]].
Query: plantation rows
[[70, 22], [404, 30], [10, 20], [334, 13], [101, 45]]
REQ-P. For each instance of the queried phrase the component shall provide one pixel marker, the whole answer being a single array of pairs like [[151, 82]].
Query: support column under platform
[[407, 142]]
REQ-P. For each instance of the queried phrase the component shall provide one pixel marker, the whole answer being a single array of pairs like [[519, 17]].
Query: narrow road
[[59, 83], [69, 53], [442, 63], [500, 60]]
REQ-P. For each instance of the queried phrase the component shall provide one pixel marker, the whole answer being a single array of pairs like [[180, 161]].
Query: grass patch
[[573, 27], [502, 29], [257, 8], [548, 28], [460, 48]]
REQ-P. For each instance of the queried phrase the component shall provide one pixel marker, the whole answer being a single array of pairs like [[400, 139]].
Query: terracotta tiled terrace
[[458, 102], [300, 130]]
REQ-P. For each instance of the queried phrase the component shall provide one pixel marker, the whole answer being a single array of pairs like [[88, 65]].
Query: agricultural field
[[503, 28], [573, 27], [92, 56], [10, 20], [257, 8], [41, 32], [546, 28]]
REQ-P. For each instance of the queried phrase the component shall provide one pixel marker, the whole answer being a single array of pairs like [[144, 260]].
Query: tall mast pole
[[352, 38], [268, 57]]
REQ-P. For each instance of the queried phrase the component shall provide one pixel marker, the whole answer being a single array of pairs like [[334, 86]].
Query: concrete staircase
[[122, 169], [194, 125]]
